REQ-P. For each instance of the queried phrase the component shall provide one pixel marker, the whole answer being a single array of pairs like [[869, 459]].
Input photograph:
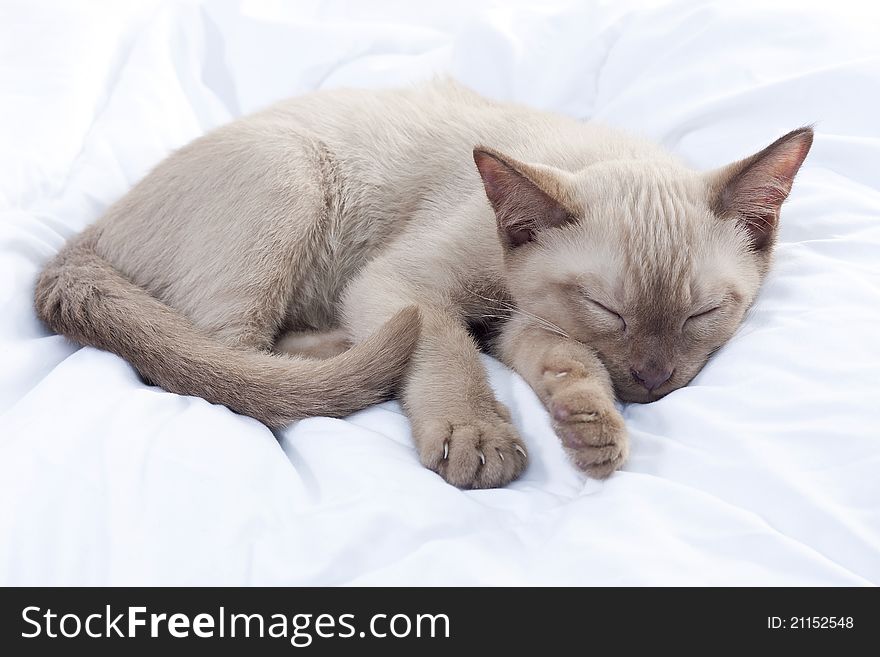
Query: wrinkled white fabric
[[765, 470]]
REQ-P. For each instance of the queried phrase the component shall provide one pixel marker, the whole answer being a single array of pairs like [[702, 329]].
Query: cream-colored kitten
[[407, 223]]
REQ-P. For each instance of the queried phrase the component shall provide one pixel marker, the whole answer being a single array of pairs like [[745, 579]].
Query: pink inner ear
[[498, 179], [521, 207], [757, 186]]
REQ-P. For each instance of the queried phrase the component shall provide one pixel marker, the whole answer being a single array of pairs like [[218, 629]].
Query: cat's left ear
[[752, 190], [526, 198]]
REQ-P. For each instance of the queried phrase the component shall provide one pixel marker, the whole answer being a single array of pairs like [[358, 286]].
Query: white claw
[[500, 454], [445, 451], [482, 458], [561, 374], [521, 451]]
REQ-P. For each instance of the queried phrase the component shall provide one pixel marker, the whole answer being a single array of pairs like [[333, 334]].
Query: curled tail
[[80, 295]]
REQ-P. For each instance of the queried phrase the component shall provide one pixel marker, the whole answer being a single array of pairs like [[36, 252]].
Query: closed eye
[[703, 313], [608, 310]]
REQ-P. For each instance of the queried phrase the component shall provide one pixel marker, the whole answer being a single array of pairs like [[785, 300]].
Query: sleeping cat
[[315, 257]]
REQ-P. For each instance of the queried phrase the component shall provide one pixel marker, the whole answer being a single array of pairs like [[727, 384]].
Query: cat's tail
[[80, 295]]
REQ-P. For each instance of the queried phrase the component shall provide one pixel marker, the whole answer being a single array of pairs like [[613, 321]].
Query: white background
[[766, 470]]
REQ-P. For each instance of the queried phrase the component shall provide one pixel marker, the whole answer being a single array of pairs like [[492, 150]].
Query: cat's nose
[[652, 376]]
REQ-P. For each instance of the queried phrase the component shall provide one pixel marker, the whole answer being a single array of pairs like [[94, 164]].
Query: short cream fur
[[334, 249]]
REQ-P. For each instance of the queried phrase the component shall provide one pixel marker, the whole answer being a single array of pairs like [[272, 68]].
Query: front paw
[[591, 429], [474, 449]]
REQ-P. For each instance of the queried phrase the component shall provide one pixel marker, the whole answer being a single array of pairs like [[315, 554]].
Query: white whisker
[[502, 305]]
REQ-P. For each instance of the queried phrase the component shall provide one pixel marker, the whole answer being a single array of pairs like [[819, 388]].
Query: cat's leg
[[313, 344], [573, 384], [460, 430]]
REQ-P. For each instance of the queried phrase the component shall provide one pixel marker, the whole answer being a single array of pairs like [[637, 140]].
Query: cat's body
[[380, 164], [311, 224]]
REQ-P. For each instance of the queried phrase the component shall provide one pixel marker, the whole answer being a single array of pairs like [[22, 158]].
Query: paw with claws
[[473, 449], [586, 421]]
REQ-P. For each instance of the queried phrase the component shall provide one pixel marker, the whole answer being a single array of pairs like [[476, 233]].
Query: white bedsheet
[[765, 470]]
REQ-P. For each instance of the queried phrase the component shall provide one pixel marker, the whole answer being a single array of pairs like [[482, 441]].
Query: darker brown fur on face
[[660, 271]]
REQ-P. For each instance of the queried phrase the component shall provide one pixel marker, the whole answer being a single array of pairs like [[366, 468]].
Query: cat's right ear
[[526, 198]]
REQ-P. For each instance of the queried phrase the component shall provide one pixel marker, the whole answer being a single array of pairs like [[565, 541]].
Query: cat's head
[[651, 264]]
